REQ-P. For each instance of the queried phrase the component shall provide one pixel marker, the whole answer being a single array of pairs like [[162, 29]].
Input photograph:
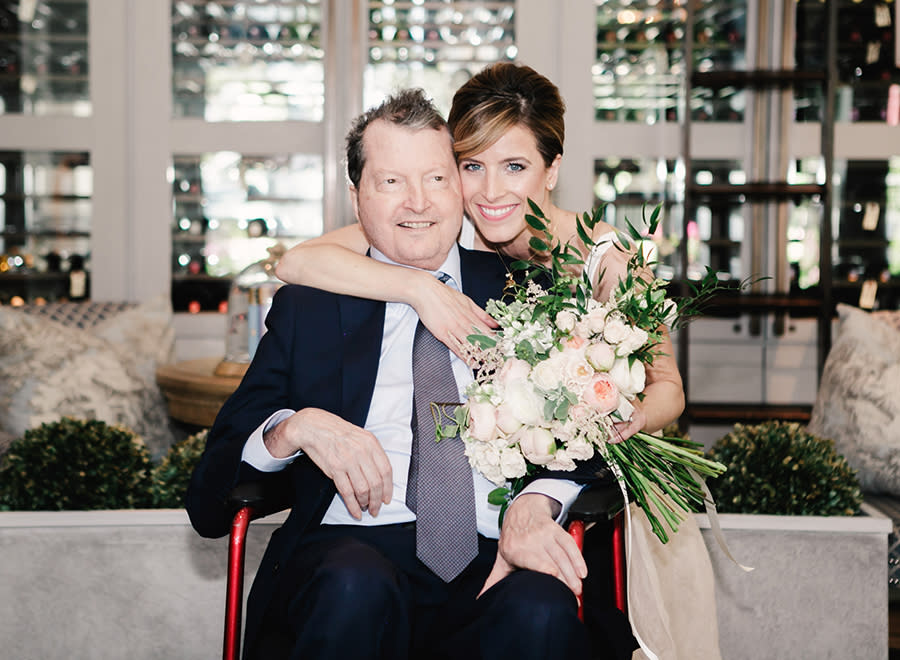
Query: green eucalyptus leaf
[[498, 496], [535, 222], [538, 245]]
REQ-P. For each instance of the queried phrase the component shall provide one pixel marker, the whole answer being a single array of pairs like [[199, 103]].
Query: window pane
[[45, 225], [640, 58], [44, 58], [229, 208], [247, 61], [435, 45], [632, 186], [868, 75]]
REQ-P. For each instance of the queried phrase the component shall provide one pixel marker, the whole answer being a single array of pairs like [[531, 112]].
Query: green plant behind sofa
[[780, 468], [75, 465], [172, 475]]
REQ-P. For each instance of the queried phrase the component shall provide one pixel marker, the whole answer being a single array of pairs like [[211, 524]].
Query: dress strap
[[601, 245]]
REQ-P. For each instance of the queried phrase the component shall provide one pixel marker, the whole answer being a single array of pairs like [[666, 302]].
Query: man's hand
[[351, 456], [532, 539]]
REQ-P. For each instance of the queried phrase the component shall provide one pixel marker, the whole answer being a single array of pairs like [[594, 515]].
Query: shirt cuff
[[255, 452], [562, 490]]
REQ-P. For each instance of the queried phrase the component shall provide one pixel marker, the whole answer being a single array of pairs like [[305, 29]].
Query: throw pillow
[[858, 402], [104, 370]]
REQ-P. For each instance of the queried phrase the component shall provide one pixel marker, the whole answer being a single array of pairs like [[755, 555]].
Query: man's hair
[[409, 108]]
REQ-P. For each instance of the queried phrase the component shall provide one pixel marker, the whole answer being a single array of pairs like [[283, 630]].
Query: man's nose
[[417, 198]]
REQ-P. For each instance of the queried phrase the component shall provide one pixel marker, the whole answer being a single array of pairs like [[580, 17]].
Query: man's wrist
[[256, 453], [277, 439], [542, 502]]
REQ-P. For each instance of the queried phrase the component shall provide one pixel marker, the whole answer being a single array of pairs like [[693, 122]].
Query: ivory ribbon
[[617, 471], [711, 513]]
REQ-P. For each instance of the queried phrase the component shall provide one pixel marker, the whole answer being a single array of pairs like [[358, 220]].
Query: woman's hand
[[624, 430], [451, 316]]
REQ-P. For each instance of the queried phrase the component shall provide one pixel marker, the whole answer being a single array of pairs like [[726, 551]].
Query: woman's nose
[[492, 186]]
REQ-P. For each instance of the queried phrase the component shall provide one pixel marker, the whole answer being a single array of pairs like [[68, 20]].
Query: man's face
[[408, 201]]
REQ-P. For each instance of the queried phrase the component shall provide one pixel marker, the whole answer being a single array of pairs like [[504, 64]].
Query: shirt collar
[[450, 266]]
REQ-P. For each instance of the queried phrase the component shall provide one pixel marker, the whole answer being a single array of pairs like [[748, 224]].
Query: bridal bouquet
[[562, 368]]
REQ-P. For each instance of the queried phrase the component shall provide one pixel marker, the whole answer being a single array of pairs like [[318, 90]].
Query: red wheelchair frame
[[597, 504]]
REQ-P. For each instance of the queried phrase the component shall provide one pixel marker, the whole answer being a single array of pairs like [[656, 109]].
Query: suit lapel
[[484, 275], [362, 325]]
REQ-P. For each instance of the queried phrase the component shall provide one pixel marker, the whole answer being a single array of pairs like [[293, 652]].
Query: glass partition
[[868, 73], [45, 226], [435, 44], [247, 61], [44, 58], [639, 67], [228, 209]]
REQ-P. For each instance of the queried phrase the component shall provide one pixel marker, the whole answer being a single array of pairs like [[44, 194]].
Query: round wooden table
[[194, 391]]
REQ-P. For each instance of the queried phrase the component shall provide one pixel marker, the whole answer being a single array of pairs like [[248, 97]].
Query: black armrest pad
[[597, 503], [256, 496]]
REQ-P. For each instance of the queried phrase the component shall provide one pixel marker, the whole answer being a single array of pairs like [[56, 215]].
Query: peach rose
[[602, 394]]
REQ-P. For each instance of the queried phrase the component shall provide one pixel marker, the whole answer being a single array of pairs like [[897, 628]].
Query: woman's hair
[[409, 108], [502, 96]]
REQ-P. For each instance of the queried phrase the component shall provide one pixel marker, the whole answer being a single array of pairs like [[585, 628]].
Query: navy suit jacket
[[320, 350]]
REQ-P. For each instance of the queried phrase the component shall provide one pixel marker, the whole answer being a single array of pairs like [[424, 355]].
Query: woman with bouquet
[[508, 129]]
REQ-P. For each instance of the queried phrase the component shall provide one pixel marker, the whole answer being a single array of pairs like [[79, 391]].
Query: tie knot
[[443, 277]]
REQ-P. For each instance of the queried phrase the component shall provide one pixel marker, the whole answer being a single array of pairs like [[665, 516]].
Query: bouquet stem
[[657, 473]]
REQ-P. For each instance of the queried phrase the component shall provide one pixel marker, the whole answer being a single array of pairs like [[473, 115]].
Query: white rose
[[615, 331], [513, 369], [600, 356], [636, 338], [629, 380], [564, 432], [565, 320], [579, 449], [579, 371], [625, 409], [548, 374], [561, 461], [512, 463], [596, 320], [537, 444], [482, 420], [507, 422], [486, 459], [522, 402]]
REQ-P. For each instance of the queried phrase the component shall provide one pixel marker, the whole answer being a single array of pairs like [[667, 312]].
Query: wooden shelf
[[746, 413], [757, 78]]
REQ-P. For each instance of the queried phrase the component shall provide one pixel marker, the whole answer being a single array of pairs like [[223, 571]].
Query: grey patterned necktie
[[439, 489]]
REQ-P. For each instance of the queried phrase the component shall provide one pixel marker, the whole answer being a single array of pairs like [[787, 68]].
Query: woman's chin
[[499, 233]]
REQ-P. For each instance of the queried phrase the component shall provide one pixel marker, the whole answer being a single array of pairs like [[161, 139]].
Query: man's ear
[[354, 200]]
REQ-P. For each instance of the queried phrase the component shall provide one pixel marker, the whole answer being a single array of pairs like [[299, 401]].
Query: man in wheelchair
[[390, 549]]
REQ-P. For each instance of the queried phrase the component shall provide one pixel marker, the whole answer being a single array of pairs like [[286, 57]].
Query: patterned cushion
[[97, 362], [83, 315], [858, 403]]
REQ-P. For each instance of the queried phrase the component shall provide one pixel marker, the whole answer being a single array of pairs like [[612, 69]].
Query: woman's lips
[[496, 212]]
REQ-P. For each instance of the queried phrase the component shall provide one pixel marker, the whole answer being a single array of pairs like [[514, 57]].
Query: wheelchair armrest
[[254, 496], [597, 503]]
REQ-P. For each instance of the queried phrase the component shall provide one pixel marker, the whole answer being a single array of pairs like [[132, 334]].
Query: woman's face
[[497, 183]]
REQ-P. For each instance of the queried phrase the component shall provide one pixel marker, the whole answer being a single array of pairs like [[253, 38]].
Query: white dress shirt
[[389, 418]]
